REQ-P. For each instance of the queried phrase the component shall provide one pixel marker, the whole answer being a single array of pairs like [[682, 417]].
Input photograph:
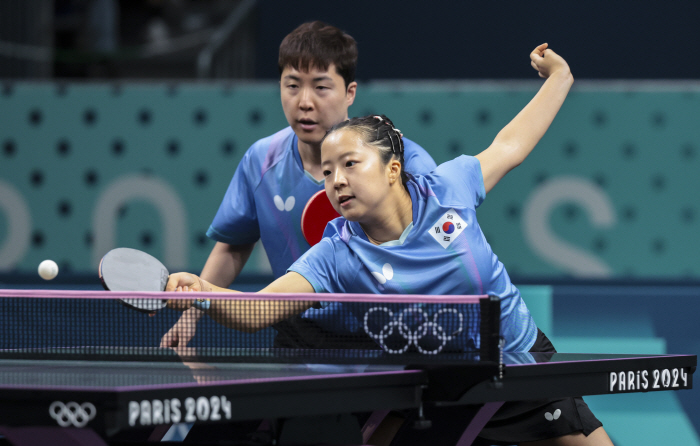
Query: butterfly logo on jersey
[[447, 228], [283, 205], [551, 417], [386, 274]]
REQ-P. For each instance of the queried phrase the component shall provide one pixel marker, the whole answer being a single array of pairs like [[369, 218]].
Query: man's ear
[[350, 93]]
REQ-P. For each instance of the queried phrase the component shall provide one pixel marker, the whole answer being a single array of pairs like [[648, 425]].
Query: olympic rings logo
[[72, 414], [429, 336]]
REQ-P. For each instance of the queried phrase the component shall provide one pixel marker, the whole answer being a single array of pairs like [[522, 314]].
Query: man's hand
[[546, 61], [183, 331]]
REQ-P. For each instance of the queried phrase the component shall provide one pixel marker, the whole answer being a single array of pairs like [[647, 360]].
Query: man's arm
[[225, 263]]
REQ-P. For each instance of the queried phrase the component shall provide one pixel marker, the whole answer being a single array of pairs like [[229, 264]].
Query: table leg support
[[372, 423], [478, 422]]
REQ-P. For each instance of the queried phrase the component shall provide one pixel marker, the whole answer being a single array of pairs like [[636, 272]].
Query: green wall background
[[610, 191]]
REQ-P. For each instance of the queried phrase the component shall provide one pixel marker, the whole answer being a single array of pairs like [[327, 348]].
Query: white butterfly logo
[[283, 205], [552, 417], [386, 274]]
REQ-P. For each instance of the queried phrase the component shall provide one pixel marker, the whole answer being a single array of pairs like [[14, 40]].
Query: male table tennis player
[[278, 174], [390, 219]]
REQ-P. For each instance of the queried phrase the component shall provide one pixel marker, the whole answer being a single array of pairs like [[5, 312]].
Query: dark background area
[[410, 39], [492, 40]]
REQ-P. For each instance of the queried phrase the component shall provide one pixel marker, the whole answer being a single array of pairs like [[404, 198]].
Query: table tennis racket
[[316, 215], [126, 269]]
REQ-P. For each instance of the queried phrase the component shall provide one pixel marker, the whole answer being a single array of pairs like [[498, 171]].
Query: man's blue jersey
[[443, 252], [267, 195]]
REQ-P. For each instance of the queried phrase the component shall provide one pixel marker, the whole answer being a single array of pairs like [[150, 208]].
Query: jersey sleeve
[[418, 161], [460, 181], [318, 265], [236, 221]]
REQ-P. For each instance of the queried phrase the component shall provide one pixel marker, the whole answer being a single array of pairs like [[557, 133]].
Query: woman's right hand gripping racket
[[126, 269]]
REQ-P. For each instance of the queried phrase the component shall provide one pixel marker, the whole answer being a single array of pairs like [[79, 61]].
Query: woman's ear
[[394, 171]]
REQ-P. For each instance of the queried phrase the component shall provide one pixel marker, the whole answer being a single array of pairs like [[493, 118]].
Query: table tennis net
[[92, 325]]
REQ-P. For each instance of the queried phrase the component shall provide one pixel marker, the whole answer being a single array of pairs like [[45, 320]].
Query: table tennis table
[[88, 402]]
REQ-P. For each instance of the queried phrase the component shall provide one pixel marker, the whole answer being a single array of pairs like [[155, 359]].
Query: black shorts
[[513, 423], [538, 420]]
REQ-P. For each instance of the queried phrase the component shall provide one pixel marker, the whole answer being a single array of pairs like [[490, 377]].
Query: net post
[[489, 349]]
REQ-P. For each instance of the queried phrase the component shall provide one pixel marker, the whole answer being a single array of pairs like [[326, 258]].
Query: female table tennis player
[[390, 218]]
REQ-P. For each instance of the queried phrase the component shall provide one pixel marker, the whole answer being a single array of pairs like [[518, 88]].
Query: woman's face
[[357, 181]]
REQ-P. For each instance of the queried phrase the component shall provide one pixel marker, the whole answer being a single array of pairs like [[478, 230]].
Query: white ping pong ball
[[48, 269]]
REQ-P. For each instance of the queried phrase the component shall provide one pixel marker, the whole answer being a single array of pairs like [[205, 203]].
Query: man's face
[[313, 101]]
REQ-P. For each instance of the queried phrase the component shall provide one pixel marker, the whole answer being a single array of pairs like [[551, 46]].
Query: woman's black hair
[[378, 131]]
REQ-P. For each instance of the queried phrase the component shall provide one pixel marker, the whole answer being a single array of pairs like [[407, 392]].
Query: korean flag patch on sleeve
[[447, 228]]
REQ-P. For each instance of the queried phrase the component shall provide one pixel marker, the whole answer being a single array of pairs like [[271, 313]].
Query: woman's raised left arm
[[517, 139]]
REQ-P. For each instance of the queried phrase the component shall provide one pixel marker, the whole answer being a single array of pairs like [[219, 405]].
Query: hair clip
[[398, 148]]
